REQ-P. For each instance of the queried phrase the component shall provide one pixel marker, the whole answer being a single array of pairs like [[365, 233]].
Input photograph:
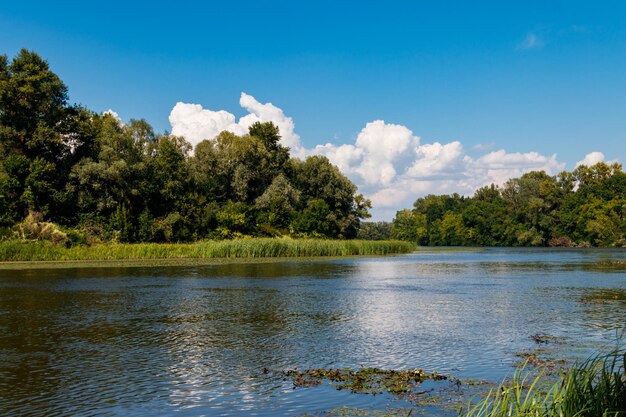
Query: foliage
[[34, 228], [91, 172], [580, 208], [375, 231]]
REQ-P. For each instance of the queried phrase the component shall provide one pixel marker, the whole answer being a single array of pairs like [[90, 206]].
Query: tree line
[[585, 207], [100, 179]]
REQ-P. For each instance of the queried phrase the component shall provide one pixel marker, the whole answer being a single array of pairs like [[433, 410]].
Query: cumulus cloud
[[436, 160], [379, 149], [591, 159], [387, 161], [445, 169], [195, 123], [499, 166]]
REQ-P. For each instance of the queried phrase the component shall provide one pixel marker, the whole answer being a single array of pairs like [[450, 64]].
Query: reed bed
[[13, 250], [594, 388]]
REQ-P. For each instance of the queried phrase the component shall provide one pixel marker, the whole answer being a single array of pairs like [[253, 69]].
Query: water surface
[[195, 340]]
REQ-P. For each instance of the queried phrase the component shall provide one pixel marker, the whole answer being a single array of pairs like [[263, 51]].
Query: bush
[[561, 242], [34, 228]]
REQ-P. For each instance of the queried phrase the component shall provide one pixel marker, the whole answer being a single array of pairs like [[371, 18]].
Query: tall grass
[[594, 388], [14, 250]]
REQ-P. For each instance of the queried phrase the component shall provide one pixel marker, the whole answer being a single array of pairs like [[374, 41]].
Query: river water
[[213, 340]]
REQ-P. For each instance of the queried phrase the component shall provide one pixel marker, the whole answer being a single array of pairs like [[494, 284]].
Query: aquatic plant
[[595, 387], [14, 250], [364, 380]]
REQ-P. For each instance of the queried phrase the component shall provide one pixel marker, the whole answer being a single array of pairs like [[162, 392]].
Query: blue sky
[[525, 77]]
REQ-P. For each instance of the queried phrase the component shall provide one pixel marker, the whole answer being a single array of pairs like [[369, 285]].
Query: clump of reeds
[[14, 250], [593, 388]]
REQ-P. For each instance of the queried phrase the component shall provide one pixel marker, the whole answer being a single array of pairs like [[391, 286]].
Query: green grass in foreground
[[594, 388], [16, 251]]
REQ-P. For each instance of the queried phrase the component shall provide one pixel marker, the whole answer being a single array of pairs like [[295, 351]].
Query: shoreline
[[173, 262]]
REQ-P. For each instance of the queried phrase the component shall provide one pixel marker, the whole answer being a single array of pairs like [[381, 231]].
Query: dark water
[[194, 340]]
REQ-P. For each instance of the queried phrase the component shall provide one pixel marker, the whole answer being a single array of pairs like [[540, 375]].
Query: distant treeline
[[70, 175], [585, 207]]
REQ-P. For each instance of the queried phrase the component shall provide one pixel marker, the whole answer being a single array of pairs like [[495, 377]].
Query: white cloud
[[380, 150], [435, 160], [382, 145], [386, 161], [591, 159], [499, 166], [531, 41], [344, 156], [196, 124]]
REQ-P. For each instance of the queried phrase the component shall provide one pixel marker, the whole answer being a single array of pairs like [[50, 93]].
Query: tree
[[269, 135], [169, 172], [452, 230], [278, 203], [534, 200], [34, 125], [374, 231], [244, 167], [33, 104], [114, 177], [315, 220], [318, 179], [411, 226]]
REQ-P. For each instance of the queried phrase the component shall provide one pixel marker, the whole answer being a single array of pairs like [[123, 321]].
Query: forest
[[582, 208], [73, 176]]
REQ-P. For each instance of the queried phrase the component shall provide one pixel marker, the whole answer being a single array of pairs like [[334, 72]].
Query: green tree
[[375, 230], [244, 167], [269, 135], [410, 226], [36, 123], [318, 179], [452, 230], [33, 103], [315, 220], [278, 203], [534, 199]]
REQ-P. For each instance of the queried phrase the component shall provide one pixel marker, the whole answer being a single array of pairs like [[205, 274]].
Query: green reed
[[593, 388], [14, 250]]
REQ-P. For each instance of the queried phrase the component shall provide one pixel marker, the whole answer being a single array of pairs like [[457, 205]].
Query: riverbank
[[17, 251]]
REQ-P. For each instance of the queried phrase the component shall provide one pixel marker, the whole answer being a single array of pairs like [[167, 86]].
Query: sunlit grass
[[239, 248]]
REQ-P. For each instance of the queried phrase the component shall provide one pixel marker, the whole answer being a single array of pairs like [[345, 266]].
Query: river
[[213, 340]]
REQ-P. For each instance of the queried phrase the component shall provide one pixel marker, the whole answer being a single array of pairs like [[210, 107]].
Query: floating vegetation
[[543, 356], [364, 380], [536, 359], [607, 295], [419, 392], [540, 339], [362, 412], [608, 266], [613, 263]]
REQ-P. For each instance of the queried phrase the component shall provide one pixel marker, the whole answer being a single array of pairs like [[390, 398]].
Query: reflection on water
[[195, 340]]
